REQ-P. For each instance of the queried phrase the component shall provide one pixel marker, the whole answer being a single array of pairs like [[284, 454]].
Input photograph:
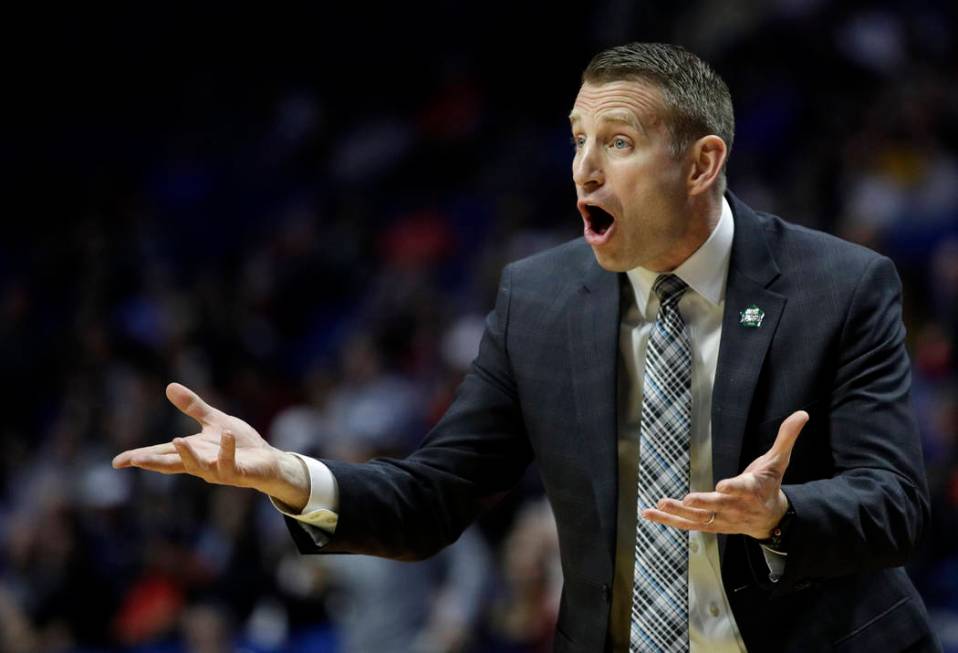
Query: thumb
[[781, 451], [188, 402]]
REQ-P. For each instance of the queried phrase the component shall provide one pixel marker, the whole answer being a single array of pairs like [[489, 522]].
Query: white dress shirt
[[321, 509], [712, 625]]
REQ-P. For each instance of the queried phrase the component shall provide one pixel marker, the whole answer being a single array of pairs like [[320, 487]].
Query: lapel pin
[[751, 317]]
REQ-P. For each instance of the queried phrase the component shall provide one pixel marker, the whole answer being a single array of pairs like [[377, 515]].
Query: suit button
[[713, 609], [607, 593]]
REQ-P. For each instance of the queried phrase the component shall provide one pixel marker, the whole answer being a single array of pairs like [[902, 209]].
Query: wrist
[[291, 486], [777, 538]]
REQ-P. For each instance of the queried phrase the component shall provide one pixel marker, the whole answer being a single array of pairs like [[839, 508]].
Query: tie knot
[[669, 289]]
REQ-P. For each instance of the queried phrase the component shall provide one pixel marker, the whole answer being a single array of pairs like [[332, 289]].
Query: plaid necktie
[[660, 594]]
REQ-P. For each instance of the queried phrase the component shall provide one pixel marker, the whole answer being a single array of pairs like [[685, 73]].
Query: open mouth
[[599, 220]]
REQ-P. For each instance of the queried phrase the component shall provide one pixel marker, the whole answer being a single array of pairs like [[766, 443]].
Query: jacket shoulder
[[556, 266], [800, 250], [831, 284]]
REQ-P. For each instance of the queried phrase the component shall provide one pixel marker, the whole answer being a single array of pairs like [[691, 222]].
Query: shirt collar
[[705, 271]]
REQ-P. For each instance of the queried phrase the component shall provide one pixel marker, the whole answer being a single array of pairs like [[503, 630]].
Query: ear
[[706, 156]]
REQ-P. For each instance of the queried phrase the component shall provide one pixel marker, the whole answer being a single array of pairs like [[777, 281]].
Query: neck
[[703, 214]]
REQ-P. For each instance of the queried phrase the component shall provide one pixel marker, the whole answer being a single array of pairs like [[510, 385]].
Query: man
[[660, 372]]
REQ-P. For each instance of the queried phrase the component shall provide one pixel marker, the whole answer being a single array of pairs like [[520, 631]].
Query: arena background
[[302, 213]]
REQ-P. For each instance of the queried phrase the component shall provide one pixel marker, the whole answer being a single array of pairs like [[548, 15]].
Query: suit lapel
[[742, 349], [593, 340]]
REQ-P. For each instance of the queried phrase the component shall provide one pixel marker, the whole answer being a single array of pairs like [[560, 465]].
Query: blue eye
[[576, 142], [620, 143]]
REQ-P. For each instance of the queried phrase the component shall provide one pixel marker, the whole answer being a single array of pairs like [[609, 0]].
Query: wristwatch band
[[778, 539]]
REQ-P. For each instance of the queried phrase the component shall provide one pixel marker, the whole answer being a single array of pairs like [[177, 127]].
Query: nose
[[587, 167]]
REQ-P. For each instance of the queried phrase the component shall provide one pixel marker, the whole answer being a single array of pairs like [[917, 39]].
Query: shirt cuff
[[323, 504], [776, 563]]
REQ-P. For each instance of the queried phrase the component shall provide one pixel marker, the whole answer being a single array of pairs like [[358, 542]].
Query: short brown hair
[[697, 100]]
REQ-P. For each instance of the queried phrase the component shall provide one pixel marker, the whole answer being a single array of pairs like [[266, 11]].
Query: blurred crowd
[[310, 240]]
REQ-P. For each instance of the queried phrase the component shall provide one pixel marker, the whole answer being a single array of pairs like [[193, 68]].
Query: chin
[[611, 263]]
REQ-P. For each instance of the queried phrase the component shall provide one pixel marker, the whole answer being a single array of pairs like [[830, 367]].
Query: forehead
[[627, 98]]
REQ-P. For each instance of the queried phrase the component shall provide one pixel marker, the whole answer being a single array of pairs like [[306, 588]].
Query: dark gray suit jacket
[[543, 387]]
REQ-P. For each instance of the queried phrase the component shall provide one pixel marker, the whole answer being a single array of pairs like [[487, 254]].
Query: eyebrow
[[622, 117]]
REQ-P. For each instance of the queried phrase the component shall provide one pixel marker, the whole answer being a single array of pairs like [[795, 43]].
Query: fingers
[[213, 462], [218, 469], [168, 463], [680, 509], [189, 402], [710, 512], [676, 521], [781, 451], [192, 463], [709, 501], [125, 458], [226, 458]]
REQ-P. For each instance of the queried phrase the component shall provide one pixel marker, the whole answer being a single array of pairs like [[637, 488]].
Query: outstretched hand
[[226, 451], [751, 503]]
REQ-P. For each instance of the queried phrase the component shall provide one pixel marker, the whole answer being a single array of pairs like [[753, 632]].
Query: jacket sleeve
[[871, 512], [410, 508]]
